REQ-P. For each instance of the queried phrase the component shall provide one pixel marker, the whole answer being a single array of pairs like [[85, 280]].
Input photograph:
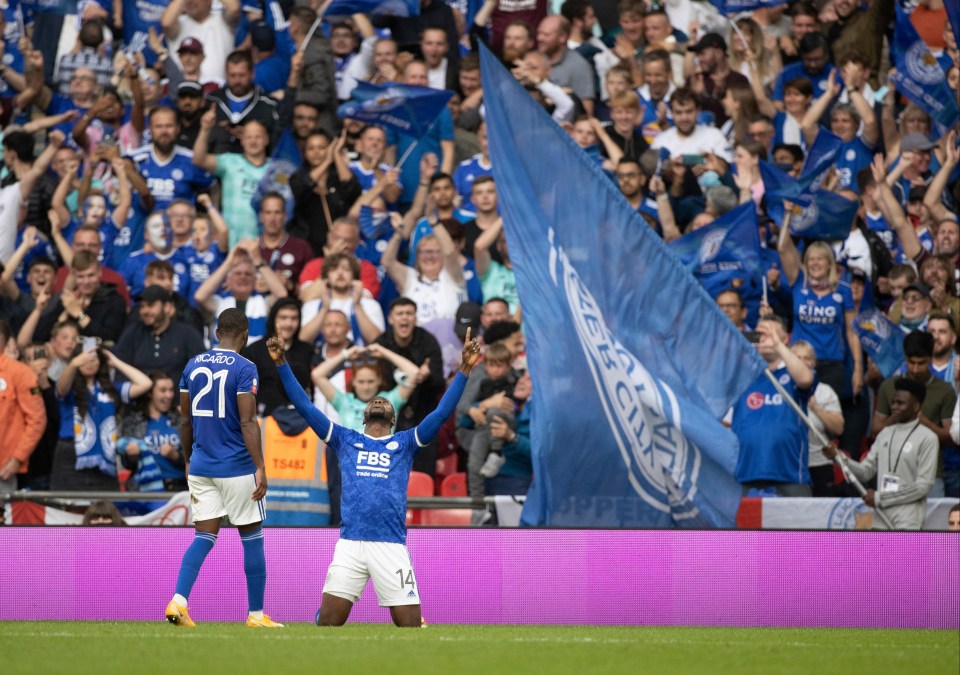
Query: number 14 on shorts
[[406, 578]]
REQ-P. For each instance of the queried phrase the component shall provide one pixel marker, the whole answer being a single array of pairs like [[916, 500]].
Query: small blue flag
[[409, 109], [953, 16], [729, 7], [726, 253], [284, 161], [881, 339], [920, 77], [378, 7], [631, 381], [820, 157], [822, 215]]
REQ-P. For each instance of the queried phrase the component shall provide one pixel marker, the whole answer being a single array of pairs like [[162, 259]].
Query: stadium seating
[[420, 485]]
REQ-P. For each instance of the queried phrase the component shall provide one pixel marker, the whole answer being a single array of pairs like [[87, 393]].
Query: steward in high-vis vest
[[297, 493]]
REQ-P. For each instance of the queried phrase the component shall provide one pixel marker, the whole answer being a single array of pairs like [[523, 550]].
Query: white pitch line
[[639, 641]]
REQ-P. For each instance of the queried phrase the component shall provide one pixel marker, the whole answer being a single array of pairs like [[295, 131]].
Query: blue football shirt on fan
[[773, 440], [214, 379], [174, 178], [820, 319]]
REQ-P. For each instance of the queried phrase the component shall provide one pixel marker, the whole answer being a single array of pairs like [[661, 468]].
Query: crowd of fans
[[136, 204]]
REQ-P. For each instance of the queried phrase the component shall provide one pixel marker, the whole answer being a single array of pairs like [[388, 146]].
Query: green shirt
[[500, 282], [350, 408], [239, 179]]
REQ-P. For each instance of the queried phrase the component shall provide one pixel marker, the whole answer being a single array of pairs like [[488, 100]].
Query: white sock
[[180, 600], [257, 615]]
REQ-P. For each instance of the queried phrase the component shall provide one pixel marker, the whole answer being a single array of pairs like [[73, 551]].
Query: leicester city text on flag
[[726, 253], [632, 362]]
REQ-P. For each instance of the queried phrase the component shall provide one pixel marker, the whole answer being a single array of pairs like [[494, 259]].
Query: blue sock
[[255, 567], [193, 560]]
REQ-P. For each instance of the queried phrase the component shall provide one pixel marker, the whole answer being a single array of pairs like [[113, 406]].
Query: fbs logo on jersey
[[373, 461], [756, 400]]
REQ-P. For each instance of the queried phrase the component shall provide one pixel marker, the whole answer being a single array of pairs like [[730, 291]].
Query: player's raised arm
[[430, 426], [319, 422]]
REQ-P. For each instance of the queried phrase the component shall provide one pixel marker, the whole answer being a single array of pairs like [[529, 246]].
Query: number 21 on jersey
[[219, 405]]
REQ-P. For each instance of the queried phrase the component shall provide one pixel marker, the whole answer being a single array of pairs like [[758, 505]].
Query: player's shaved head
[[379, 409], [232, 322]]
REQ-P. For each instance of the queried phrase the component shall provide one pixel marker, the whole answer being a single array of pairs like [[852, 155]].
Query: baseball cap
[[155, 293], [709, 40], [191, 45], [920, 288], [262, 36], [916, 141], [187, 88], [468, 316], [41, 260]]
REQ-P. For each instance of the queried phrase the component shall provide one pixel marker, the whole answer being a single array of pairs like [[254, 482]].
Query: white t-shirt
[[370, 307], [827, 399], [10, 202], [704, 139], [217, 38]]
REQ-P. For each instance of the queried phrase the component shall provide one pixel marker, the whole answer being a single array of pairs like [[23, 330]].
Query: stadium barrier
[[509, 576]]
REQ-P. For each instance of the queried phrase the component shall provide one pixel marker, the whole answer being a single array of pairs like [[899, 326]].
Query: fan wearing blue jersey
[[375, 470], [220, 438]]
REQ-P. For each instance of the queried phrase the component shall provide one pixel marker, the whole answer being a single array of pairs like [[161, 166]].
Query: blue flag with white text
[[378, 7], [919, 76], [726, 253], [632, 361], [881, 339], [407, 108]]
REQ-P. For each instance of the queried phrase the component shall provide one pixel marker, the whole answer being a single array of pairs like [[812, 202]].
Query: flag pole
[[839, 459], [406, 154]]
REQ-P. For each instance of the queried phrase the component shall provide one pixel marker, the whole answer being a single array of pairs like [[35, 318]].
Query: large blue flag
[[726, 253], [920, 77], [632, 361], [381, 7], [284, 161], [409, 109], [881, 339]]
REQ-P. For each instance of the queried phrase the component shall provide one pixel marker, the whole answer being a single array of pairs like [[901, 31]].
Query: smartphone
[[39, 353], [752, 336], [90, 344], [693, 160]]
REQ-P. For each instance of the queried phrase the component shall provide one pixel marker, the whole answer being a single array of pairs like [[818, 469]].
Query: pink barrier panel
[[603, 577]]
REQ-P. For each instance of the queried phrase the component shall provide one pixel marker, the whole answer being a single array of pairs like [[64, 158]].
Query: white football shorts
[[217, 497], [388, 564]]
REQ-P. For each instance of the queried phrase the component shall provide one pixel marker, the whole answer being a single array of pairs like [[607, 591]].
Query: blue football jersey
[[214, 379], [374, 474]]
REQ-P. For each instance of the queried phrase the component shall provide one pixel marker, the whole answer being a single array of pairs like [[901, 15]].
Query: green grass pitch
[[211, 649]]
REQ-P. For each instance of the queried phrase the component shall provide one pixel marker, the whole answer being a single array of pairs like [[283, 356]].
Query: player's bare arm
[[469, 355], [277, 351], [247, 407]]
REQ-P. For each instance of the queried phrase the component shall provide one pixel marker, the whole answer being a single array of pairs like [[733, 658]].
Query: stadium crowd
[[142, 194]]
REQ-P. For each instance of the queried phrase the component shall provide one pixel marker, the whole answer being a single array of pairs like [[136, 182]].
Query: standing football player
[[375, 469], [225, 474]]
